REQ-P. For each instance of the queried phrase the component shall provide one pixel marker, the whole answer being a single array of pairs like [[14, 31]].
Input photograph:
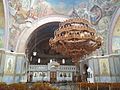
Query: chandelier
[[75, 38]]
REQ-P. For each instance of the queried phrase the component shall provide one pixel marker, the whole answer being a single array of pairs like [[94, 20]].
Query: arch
[[111, 28], [20, 47]]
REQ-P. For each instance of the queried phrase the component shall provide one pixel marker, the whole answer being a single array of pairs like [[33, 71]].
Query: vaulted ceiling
[[39, 41]]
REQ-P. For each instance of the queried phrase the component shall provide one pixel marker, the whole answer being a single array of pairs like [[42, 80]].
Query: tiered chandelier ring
[[75, 38]]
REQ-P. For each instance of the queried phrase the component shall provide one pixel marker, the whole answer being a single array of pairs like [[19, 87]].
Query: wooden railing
[[89, 86], [99, 86], [25, 86], [57, 86]]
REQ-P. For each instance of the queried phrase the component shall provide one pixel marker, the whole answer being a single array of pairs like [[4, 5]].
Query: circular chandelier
[[75, 38]]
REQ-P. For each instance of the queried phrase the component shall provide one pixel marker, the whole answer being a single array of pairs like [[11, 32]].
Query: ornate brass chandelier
[[75, 38]]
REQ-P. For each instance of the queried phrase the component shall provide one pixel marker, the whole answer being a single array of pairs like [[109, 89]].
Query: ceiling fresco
[[65, 6], [24, 13]]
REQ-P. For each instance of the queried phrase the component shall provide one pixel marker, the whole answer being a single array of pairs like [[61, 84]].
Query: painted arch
[[114, 35], [22, 40]]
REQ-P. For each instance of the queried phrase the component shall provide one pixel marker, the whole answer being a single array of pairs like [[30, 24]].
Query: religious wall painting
[[24, 13], [81, 10], [108, 8], [2, 24], [102, 29], [64, 74], [17, 19], [103, 24], [65, 7], [96, 14], [9, 67], [116, 36], [104, 67]]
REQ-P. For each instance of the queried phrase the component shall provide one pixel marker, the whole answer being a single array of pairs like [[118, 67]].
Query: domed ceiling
[[24, 13]]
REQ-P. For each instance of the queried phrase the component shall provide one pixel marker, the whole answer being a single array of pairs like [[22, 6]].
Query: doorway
[[53, 76]]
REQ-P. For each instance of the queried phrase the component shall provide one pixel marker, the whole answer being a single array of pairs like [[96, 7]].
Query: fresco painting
[[116, 36], [24, 13], [9, 64], [96, 14], [117, 28], [104, 67], [2, 24]]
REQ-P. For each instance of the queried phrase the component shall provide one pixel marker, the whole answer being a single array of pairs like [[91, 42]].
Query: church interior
[[59, 44]]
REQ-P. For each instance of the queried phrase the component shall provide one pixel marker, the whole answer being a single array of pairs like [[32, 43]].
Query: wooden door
[[53, 77]]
